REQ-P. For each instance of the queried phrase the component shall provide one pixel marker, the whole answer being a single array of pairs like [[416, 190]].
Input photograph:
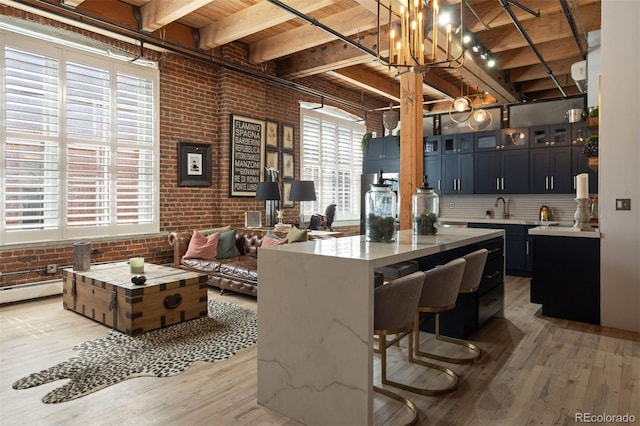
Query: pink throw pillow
[[201, 247], [268, 242]]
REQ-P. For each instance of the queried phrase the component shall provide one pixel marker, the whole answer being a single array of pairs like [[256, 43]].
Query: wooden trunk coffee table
[[106, 294]]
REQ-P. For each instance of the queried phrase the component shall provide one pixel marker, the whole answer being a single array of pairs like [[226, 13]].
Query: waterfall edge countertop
[[315, 321], [564, 231]]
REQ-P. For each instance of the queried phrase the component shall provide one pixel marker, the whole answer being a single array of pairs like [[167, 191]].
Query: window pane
[[88, 188], [135, 186], [134, 116], [31, 89], [31, 185], [87, 102]]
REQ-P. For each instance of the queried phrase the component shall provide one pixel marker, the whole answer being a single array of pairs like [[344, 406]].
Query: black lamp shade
[[302, 190], [268, 191]]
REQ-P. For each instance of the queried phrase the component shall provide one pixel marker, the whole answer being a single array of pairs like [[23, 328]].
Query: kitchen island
[[566, 273], [315, 321]]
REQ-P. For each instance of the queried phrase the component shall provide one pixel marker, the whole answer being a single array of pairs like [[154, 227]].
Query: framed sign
[[247, 155], [287, 137], [272, 134], [194, 164]]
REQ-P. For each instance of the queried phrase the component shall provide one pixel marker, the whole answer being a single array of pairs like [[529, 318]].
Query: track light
[[466, 39], [491, 62]]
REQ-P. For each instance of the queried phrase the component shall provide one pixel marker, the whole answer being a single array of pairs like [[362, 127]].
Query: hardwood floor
[[535, 370]]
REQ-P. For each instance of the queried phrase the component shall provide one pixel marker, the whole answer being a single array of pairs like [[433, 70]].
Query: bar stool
[[471, 279], [439, 294], [397, 270], [394, 305]]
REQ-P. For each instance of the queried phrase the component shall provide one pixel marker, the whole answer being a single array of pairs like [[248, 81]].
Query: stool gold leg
[[405, 401], [477, 352]]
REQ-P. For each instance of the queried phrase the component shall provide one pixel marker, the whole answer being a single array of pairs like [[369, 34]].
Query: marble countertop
[[564, 231], [407, 246], [445, 220]]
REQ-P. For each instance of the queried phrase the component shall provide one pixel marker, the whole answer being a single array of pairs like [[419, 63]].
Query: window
[[331, 156], [79, 153]]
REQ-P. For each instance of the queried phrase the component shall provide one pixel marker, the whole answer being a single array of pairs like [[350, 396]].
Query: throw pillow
[[206, 232], [201, 247], [227, 245], [268, 241], [295, 235]]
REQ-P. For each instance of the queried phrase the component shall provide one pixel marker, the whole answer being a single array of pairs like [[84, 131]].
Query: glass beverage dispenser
[[425, 205], [380, 203]]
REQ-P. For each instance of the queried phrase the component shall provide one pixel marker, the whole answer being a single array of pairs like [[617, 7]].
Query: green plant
[[591, 146], [594, 111], [365, 143]]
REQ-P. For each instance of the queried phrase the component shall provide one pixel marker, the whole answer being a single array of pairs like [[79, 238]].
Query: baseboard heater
[[21, 292]]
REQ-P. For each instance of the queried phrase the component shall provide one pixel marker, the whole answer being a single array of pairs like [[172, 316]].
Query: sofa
[[238, 273]]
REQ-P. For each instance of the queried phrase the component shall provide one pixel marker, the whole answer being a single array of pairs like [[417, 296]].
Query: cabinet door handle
[[438, 184], [459, 185], [574, 182], [502, 183], [497, 184], [551, 182], [546, 182], [492, 303], [495, 250], [527, 247], [491, 276]]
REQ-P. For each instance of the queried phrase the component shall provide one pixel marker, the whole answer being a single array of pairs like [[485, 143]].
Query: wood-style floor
[[535, 370]]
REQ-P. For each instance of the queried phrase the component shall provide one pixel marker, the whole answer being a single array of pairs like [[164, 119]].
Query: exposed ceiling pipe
[[514, 19], [572, 25], [102, 26]]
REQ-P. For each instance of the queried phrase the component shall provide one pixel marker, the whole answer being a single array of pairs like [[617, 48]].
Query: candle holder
[[582, 217]]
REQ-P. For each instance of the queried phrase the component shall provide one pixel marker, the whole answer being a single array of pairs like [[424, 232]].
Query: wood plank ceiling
[[300, 49]]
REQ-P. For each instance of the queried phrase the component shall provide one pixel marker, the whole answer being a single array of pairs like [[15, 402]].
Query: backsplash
[[524, 207]]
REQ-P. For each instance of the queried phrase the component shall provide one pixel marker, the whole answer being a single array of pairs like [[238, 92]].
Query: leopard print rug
[[159, 353]]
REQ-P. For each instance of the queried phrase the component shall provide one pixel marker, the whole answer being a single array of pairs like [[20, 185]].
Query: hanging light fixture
[[408, 28], [480, 119], [461, 104], [390, 118]]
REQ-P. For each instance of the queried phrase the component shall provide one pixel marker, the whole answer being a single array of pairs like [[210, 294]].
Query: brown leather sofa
[[239, 273]]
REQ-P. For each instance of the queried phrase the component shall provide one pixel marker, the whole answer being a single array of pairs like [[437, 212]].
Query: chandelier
[[414, 22]]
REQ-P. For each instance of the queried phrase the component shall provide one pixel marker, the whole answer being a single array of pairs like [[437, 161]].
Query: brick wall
[[196, 101]]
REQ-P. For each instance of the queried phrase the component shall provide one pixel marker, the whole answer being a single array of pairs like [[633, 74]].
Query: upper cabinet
[[549, 136], [487, 141], [382, 154], [457, 144], [431, 145]]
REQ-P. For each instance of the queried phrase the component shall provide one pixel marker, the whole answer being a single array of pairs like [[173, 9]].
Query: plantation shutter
[[332, 158], [31, 149]]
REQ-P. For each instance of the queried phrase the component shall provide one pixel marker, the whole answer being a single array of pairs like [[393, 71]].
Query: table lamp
[[268, 192], [302, 190]]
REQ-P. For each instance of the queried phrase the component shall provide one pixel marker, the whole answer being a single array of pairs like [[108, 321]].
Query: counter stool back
[[394, 304], [470, 283]]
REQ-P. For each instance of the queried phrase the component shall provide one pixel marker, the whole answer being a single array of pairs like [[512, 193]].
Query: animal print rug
[[159, 353]]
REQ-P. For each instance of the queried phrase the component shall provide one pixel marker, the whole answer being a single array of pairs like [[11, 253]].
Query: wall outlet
[[452, 205], [52, 269]]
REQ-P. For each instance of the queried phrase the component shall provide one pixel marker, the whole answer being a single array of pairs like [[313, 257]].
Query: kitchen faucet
[[504, 208]]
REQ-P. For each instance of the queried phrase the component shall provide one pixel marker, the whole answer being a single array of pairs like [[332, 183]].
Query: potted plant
[[591, 146], [365, 143]]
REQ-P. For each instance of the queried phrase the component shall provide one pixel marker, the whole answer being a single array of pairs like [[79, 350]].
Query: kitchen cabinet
[[433, 172], [457, 144], [431, 145], [457, 174], [487, 140], [550, 171], [517, 247], [501, 172], [472, 310], [382, 153], [566, 277], [548, 136]]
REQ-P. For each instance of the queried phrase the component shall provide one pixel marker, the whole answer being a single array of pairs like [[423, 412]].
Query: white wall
[[619, 167]]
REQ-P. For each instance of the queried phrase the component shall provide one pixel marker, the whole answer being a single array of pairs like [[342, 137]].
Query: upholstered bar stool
[[397, 270], [394, 305], [439, 294], [471, 279]]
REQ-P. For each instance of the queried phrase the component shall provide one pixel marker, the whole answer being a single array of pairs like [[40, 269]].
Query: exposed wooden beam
[[550, 51], [553, 93], [158, 13], [254, 18], [363, 77], [307, 36], [546, 83], [72, 3], [533, 72]]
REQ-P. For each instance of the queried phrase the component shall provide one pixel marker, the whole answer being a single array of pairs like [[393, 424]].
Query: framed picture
[[287, 137], [272, 159], [194, 164], [286, 190], [288, 167], [272, 134], [247, 155], [252, 219]]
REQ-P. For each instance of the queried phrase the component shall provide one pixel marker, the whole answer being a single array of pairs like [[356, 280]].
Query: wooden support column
[[411, 154]]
